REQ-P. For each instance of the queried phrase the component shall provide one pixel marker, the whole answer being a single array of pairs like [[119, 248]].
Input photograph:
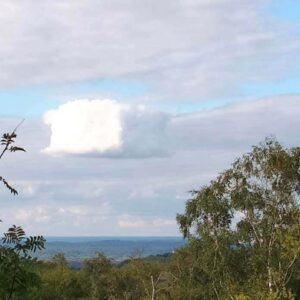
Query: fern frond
[[15, 148]]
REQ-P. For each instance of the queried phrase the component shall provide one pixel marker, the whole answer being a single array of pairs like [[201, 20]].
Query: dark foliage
[[16, 262]]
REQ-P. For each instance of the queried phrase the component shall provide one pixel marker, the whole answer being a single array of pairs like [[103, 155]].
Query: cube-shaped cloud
[[107, 128]]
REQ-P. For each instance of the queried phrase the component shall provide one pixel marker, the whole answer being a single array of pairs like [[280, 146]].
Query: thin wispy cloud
[[183, 49]]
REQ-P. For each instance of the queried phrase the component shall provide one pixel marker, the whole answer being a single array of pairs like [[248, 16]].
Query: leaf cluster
[[15, 261]]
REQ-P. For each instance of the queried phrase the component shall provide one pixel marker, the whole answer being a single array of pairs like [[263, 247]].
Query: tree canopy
[[244, 226]]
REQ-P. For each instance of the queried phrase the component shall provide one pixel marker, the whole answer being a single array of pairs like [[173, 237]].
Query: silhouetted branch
[[7, 140], [12, 189]]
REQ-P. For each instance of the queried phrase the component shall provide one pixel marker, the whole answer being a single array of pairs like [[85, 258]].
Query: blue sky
[[34, 101], [125, 115], [287, 10]]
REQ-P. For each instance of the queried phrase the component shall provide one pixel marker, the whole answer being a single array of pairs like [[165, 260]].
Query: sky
[[129, 105]]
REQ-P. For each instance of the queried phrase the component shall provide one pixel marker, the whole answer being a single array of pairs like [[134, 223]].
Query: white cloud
[[129, 221], [39, 214], [62, 216], [85, 126], [106, 127]]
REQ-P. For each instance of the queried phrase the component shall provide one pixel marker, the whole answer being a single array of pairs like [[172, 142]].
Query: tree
[[60, 261], [16, 249], [97, 269], [59, 281], [244, 228]]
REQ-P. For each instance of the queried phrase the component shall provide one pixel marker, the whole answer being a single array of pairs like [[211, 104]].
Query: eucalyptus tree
[[244, 227]]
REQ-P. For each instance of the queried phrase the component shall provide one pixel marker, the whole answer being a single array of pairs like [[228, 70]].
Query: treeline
[[101, 278], [243, 232], [177, 276]]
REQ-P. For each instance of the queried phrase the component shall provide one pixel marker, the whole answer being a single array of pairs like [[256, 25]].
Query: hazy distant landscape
[[116, 248]]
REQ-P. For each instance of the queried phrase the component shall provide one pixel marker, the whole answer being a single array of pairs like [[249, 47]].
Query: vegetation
[[245, 226], [243, 232], [16, 275]]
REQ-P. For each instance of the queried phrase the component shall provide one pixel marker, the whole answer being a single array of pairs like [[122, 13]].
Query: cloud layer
[[183, 49], [102, 195], [107, 128]]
